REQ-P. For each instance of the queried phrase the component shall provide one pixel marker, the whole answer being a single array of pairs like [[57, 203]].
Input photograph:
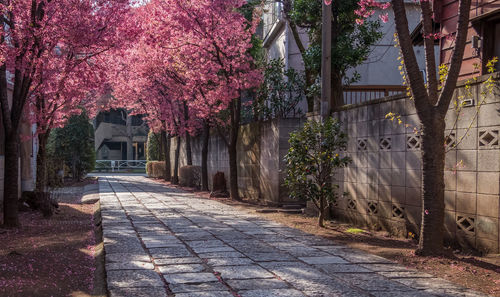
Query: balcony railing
[[362, 94]]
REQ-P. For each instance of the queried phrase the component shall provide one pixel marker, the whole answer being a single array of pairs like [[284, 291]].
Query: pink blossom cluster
[[55, 48], [190, 61], [367, 9]]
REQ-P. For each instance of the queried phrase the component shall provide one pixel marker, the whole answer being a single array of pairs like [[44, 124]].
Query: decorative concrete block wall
[[261, 150], [384, 179]]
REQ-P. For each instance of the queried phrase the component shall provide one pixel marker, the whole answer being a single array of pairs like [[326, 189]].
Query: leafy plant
[[311, 161], [74, 143], [280, 93], [154, 150]]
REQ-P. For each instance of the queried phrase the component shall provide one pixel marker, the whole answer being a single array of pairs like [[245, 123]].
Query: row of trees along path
[[187, 69]]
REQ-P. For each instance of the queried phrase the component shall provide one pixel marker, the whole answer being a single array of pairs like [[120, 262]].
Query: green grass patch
[[355, 231]]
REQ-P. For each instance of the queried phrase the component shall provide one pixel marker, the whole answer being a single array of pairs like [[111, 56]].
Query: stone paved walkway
[[161, 241]]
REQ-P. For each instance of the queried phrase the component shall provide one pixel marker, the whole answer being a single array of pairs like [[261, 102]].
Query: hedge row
[[155, 169]]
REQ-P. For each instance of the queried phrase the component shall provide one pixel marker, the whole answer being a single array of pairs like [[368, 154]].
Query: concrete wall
[[261, 150], [384, 180]]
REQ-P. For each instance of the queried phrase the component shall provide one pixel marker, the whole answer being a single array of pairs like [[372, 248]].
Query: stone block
[[467, 118], [413, 178], [489, 115], [450, 180], [138, 292], [450, 160], [362, 175], [466, 181], [362, 129], [413, 160], [372, 160], [398, 177], [467, 139], [398, 160], [271, 292], [487, 227], [414, 215], [384, 176], [323, 260], [466, 202], [373, 128], [450, 224], [412, 122], [398, 195], [385, 160], [372, 175], [387, 127], [384, 109], [450, 200], [410, 107], [488, 205], [133, 279], [384, 193], [488, 183], [372, 192], [488, 160], [467, 160], [373, 111], [487, 246], [398, 142], [414, 196]]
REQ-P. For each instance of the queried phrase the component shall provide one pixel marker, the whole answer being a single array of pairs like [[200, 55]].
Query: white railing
[[119, 164]]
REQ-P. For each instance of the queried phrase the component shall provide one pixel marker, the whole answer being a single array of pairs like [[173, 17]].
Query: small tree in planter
[[311, 161]]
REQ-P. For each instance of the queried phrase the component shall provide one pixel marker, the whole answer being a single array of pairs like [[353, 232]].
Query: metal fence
[[120, 165]]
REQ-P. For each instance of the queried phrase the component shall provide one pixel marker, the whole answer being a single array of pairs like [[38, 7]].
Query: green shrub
[[155, 169], [74, 143], [154, 150], [311, 161]]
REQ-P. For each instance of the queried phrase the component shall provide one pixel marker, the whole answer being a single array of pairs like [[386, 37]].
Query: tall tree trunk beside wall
[[175, 179], [166, 154], [11, 179], [432, 102], [235, 110], [189, 153], [41, 162], [130, 145], [204, 156]]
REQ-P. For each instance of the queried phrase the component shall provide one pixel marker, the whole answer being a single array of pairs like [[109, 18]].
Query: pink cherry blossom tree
[[34, 33]]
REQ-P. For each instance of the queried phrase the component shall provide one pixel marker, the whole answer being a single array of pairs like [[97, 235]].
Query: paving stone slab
[[206, 294], [405, 274], [138, 292], [342, 268], [221, 255], [132, 265], [176, 261], [205, 243], [181, 268], [170, 252], [251, 284], [190, 278], [213, 249], [323, 260], [127, 257], [384, 267], [271, 293], [243, 272], [264, 257], [133, 279], [229, 261], [371, 282]]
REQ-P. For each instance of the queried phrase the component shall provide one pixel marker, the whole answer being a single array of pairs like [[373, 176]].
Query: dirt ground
[[477, 273], [52, 257]]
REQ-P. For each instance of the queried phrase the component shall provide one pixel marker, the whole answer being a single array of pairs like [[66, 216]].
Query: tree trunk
[[41, 163], [130, 145], [321, 215], [166, 155], [433, 158], [175, 179], [11, 180], [337, 90], [235, 109], [204, 157], [189, 154]]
